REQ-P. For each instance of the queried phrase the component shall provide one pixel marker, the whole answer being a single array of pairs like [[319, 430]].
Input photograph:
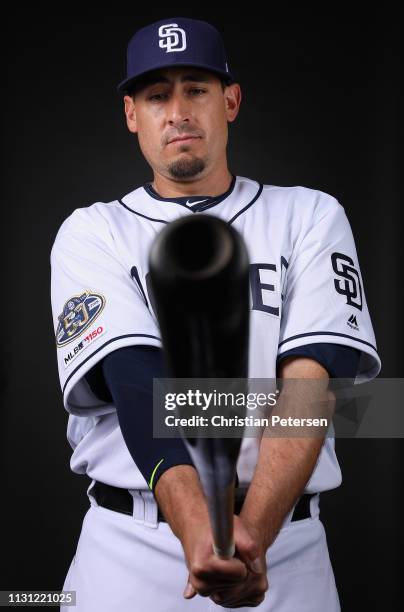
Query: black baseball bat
[[199, 280]]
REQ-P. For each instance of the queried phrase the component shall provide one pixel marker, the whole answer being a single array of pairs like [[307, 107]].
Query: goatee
[[186, 168]]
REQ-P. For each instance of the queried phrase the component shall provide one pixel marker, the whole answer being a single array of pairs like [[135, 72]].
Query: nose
[[178, 109]]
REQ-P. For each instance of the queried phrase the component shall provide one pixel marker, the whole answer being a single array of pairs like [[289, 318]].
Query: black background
[[321, 109]]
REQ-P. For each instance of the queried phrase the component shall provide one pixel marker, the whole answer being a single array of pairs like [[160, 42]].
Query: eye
[[157, 97]]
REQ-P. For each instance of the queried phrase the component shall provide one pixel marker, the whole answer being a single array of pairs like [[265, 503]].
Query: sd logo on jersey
[[78, 313], [343, 266]]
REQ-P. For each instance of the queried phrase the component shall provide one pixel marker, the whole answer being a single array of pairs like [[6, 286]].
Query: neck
[[213, 185]]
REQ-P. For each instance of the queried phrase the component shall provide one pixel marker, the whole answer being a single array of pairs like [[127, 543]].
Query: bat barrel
[[195, 248], [199, 289]]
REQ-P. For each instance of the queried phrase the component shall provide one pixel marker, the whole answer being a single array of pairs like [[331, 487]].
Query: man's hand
[[208, 574], [234, 583]]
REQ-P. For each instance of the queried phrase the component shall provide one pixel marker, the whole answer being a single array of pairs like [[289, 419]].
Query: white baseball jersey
[[306, 287]]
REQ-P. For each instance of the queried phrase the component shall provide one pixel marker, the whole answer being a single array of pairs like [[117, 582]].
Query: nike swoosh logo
[[188, 203]]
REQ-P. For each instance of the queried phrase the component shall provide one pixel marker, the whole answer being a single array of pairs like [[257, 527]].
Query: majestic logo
[[79, 312], [351, 286], [353, 323], [172, 38]]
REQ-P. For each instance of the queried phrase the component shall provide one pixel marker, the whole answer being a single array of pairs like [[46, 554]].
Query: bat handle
[[227, 553], [221, 510]]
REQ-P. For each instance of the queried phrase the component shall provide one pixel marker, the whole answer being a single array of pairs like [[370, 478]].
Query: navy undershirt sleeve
[[126, 377], [339, 360]]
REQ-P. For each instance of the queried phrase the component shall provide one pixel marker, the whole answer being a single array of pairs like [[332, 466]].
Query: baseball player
[[145, 542]]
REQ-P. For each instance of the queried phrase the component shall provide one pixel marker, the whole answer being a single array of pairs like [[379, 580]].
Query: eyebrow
[[185, 78]]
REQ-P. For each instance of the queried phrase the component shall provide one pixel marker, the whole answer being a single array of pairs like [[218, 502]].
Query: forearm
[[180, 497], [284, 466]]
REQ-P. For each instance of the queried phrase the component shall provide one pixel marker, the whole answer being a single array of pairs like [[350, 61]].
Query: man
[[146, 536]]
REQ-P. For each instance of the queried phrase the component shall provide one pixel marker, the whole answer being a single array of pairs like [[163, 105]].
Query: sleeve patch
[[79, 312], [348, 283]]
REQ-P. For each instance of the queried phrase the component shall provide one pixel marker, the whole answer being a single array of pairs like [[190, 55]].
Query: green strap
[[153, 474]]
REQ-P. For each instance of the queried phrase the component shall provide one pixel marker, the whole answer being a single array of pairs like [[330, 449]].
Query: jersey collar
[[194, 203], [241, 195]]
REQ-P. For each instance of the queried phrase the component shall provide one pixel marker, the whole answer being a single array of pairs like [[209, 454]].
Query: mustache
[[182, 134]]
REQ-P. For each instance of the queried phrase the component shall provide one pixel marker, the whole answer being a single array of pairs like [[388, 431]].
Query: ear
[[130, 113], [232, 100]]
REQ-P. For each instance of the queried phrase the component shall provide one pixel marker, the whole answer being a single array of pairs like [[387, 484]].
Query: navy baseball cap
[[176, 41]]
